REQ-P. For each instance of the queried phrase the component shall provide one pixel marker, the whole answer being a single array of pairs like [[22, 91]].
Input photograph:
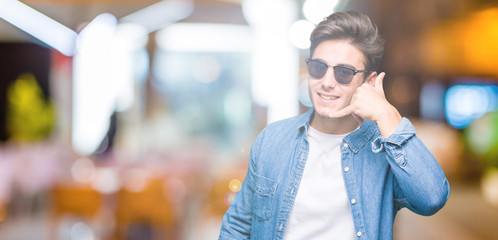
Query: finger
[[343, 112], [379, 81]]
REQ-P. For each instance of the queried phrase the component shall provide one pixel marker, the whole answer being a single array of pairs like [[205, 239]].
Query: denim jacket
[[382, 175]]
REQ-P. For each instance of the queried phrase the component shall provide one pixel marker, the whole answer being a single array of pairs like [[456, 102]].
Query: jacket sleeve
[[237, 220], [420, 183]]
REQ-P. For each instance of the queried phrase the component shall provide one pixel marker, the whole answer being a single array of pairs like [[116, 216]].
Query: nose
[[328, 79]]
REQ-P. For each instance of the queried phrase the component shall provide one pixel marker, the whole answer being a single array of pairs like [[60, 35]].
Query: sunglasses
[[342, 74]]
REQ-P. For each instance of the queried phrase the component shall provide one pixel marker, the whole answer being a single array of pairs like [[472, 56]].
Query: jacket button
[[346, 169], [346, 145], [358, 234]]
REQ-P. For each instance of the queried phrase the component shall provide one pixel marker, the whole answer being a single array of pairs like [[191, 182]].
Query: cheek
[[351, 89], [311, 86], [349, 92], [311, 83]]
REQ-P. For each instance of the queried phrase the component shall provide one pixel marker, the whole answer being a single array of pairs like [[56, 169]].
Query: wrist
[[388, 121]]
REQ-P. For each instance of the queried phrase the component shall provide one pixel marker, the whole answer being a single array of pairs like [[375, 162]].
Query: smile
[[328, 97]]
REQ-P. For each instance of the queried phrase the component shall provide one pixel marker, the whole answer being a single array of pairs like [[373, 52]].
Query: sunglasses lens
[[343, 75], [317, 69]]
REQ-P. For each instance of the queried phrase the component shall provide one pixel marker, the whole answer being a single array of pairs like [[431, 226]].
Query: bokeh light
[[135, 179], [81, 231], [316, 10], [229, 196], [234, 185], [106, 180], [83, 170], [482, 138], [489, 186], [464, 103], [299, 33]]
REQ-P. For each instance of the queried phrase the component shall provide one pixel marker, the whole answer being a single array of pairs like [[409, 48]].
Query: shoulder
[[289, 127], [280, 133]]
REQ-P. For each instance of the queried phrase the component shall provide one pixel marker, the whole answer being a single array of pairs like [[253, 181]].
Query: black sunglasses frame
[[338, 79]]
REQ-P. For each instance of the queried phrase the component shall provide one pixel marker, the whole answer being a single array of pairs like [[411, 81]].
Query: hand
[[369, 102]]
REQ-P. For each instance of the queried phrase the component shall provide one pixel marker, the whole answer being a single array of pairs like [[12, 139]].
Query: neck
[[327, 125]]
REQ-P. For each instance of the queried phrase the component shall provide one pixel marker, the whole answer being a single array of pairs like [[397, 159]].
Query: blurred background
[[133, 119]]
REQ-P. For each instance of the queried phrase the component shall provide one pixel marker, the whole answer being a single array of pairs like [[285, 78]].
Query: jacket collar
[[303, 122], [358, 138]]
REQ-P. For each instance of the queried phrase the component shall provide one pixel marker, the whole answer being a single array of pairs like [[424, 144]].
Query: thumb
[[379, 81]]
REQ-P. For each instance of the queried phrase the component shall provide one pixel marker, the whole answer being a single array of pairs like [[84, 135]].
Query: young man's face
[[327, 95]]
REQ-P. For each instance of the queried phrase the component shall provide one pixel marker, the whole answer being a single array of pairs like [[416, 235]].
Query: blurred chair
[[144, 214], [74, 203], [77, 200], [218, 197]]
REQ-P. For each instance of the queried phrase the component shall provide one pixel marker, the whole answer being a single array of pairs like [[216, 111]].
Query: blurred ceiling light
[[131, 36], [39, 26], [205, 37], [300, 32], [266, 13], [160, 14], [101, 28], [109, 56], [105, 72], [94, 91], [129, 41], [274, 59], [316, 10]]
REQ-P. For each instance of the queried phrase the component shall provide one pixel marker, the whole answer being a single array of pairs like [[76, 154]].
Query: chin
[[323, 112]]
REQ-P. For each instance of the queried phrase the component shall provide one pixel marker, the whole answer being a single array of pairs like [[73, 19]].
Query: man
[[343, 169]]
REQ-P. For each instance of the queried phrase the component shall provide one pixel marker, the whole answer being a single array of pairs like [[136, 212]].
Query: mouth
[[328, 97]]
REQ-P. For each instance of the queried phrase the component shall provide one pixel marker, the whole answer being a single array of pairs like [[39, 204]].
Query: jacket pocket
[[264, 197]]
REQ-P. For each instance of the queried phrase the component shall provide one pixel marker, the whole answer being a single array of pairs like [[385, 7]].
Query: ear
[[371, 78]]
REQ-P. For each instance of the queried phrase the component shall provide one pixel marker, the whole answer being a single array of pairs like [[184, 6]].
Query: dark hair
[[354, 27]]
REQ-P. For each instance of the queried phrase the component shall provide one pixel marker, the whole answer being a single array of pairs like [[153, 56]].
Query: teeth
[[328, 98]]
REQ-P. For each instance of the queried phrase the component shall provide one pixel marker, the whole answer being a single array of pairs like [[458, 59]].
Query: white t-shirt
[[321, 208]]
